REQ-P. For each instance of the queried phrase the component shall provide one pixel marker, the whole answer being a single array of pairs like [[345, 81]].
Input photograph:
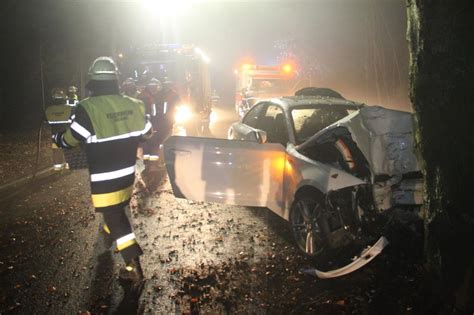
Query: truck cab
[[186, 66], [256, 82]]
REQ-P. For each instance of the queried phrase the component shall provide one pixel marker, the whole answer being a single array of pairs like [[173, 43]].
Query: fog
[[355, 47]]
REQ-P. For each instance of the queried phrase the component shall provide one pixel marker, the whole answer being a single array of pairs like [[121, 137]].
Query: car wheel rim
[[306, 230]]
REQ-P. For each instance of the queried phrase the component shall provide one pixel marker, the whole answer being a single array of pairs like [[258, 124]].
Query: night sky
[[358, 47]]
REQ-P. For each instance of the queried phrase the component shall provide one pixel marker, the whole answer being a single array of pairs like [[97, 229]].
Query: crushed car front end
[[374, 144], [355, 172]]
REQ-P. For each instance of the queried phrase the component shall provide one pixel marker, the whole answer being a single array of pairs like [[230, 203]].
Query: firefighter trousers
[[120, 230]]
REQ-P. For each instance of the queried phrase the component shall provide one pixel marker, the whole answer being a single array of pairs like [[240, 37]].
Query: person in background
[[129, 88], [166, 109], [72, 97], [58, 116], [150, 97]]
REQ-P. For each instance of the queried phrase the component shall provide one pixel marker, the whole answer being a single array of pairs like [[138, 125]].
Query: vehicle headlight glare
[[213, 117], [183, 114]]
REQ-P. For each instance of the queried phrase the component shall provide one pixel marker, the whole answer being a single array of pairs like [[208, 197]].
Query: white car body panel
[[365, 257], [246, 173], [224, 171], [384, 136], [301, 171]]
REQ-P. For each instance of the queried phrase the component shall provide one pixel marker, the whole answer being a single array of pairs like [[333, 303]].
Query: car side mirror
[[258, 136], [261, 136]]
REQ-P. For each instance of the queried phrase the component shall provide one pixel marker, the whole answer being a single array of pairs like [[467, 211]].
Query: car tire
[[308, 225]]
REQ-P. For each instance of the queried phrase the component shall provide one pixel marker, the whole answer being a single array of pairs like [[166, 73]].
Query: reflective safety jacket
[[58, 114], [111, 127], [72, 99]]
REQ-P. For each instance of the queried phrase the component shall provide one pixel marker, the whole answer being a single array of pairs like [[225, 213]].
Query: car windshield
[[307, 121]]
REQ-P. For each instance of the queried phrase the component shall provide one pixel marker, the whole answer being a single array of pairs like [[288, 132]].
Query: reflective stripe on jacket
[[111, 126]]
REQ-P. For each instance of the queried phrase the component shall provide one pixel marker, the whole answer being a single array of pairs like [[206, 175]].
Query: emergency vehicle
[[255, 82], [186, 67]]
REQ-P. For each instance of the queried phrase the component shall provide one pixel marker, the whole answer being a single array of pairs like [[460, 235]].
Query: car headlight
[[183, 113], [213, 117]]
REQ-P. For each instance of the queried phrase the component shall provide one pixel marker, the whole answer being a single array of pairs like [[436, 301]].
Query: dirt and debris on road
[[217, 259], [52, 256], [35, 246]]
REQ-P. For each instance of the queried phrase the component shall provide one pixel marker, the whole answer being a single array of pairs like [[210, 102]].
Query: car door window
[[252, 116], [274, 124]]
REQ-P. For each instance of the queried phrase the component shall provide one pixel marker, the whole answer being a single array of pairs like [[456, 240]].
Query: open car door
[[226, 171]]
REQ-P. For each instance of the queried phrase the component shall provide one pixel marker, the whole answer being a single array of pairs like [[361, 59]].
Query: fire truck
[[186, 66], [255, 82]]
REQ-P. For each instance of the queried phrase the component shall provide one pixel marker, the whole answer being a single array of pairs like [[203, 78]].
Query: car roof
[[290, 102]]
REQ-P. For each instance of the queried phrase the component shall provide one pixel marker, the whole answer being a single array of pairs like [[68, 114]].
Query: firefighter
[[72, 97], [149, 96], [129, 88], [58, 116], [166, 110], [111, 126]]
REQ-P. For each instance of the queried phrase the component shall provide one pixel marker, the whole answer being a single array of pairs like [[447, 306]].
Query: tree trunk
[[441, 41]]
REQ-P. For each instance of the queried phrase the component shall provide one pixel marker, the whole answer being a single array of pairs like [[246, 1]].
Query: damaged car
[[329, 166]]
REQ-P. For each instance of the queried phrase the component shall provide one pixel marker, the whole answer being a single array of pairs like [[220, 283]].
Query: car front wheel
[[308, 226]]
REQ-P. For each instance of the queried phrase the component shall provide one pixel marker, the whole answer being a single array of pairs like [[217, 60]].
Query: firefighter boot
[[132, 272], [132, 279]]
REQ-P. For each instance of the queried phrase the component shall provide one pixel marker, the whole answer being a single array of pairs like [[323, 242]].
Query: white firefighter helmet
[[154, 82], [103, 69], [129, 86], [72, 89], [154, 85]]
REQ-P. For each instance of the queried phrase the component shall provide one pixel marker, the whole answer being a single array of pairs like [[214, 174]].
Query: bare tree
[[440, 33]]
